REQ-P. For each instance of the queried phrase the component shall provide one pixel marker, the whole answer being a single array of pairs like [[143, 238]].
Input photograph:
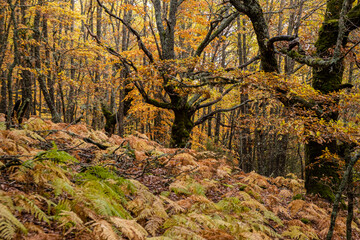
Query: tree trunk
[[254, 11], [3, 100], [55, 116], [181, 128], [110, 119], [325, 79]]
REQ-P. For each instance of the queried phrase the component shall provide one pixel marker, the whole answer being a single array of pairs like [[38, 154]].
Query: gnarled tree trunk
[[181, 128]]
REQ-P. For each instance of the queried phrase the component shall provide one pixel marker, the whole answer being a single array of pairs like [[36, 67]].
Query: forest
[[179, 119]]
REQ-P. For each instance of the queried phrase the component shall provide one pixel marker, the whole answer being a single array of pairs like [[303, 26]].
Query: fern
[[130, 228], [69, 219], [63, 205], [187, 188], [159, 238], [204, 220], [179, 187], [180, 233], [56, 155], [100, 173], [60, 185], [146, 205], [29, 206], [174, 206], [106, 207], [9, 223], [104, 230], [6, 200], [7, 229], [271, 216], [295, 232], [181, 220], [232, 205], [154, 224], [101, 189]]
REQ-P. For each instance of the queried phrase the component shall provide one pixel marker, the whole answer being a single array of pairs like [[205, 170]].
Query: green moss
[[298, 196], [305, 220], [327, 37], [323, 190], [165, 193], [181, 128], [354, 13], [317, 170], [242, 187], [333, 8], [110, 120]]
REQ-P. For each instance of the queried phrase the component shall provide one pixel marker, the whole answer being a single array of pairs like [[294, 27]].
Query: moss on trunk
[[110, 119], [181, 128], [325, 79], [317, 169]]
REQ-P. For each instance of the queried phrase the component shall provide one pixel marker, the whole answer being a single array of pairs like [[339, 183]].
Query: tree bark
[[181, 128], [326, 79], [40, 77], [254, 11]]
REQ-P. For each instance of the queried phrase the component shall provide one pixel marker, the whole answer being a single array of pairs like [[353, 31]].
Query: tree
[[183, 106], [328, 68]]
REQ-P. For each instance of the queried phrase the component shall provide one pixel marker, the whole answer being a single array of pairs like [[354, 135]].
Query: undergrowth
[[115, 195]]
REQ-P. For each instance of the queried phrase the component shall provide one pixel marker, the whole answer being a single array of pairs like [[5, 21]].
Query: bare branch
[[211, 35], [150, 100], [207, 116], [132, 30], [123, 60], [156, 41], [280, 38], [254, 59], [216, 100]]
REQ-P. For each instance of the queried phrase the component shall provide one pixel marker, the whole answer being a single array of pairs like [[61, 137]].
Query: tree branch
[[272, 40], [308, 60], [254, 59], [216, 100], [156, 41], [123, 60], [132, 30], [207, 116], [210, 35], [150, 100]]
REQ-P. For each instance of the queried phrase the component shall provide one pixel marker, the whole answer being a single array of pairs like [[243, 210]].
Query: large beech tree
[[328, 68], [183, 106]]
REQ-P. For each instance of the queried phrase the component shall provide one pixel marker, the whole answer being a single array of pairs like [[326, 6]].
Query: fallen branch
[[85, 139]]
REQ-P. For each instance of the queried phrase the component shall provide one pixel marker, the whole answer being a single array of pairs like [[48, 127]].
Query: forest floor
[[61, 181]]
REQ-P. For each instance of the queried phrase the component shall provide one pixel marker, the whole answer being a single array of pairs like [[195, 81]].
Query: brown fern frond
[[153, 224], [173, 206], [130, 228], [103, 230], [69, 217], [9, 223]]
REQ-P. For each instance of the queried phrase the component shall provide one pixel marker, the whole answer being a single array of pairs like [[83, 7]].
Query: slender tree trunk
[[337, 199], [40, 77], [350, 208], [209, 123], [3, 100]]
